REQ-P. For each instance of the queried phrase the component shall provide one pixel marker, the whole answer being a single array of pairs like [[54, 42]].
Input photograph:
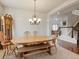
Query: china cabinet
[[6, 26]]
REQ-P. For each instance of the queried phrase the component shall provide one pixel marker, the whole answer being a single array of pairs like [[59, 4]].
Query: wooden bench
[[34, 49]]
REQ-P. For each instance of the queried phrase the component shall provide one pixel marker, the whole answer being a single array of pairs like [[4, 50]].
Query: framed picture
[[64, 23]]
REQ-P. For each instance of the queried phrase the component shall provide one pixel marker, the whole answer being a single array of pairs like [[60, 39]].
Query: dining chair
[[7, 45], [35, 33], [54, 38], [1, 36], [1, 39], [27, 33]]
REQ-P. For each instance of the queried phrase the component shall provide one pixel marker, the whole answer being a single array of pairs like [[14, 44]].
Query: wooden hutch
[[6, 26]]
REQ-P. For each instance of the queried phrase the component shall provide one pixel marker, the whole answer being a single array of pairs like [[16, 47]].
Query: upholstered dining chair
[[35, 33], [27, 33]]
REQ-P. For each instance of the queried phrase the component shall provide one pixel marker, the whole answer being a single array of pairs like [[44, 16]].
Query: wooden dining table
[[34, 39], [30, 39]]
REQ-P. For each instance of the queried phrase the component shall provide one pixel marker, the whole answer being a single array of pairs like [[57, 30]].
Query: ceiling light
[[34, 20]]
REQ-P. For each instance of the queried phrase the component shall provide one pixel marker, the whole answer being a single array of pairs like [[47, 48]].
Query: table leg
[[50, 51]]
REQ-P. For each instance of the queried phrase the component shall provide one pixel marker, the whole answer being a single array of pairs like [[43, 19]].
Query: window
[[54, 27]]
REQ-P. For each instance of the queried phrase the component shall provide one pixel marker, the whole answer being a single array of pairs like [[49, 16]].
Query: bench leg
[[50, 51]]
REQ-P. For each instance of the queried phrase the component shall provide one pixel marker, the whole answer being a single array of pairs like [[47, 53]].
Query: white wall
[[53, 20], [21, 22], [1, 9]]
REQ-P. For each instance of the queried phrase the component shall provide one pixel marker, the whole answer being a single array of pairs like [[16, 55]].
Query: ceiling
[[44, 6], [70, 8], [67, 10]]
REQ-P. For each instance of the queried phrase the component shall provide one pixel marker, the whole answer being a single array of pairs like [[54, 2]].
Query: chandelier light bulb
[[34, 19], [30, 20], [38, 20]]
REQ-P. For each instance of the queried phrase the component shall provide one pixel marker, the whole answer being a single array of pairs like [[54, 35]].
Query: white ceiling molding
[[43, 6], [65, 4], [75, 12]]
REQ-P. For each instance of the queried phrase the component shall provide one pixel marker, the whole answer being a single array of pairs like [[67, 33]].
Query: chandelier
[[34, 20]]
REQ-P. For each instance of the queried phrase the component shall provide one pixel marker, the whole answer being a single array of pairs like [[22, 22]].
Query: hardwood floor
[[70, 46]]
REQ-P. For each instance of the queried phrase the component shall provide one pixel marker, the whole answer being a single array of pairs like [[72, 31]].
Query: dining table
[[33, 44], [30, 39]]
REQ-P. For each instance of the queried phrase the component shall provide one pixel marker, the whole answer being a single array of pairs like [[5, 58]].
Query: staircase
[[76, 32], [76, 27], [67, 36]]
